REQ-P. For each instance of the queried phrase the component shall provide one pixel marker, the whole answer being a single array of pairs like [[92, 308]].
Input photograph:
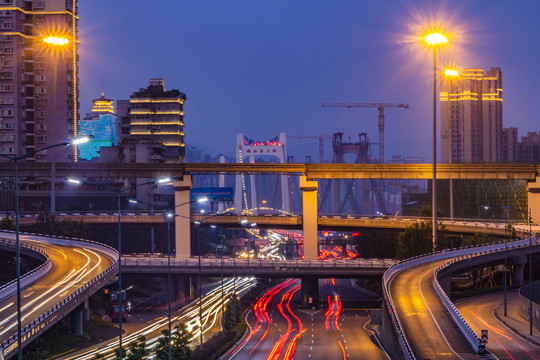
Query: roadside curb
[[524, 337]]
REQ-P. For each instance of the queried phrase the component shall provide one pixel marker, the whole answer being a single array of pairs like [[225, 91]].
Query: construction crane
[[321, 143], [380, 107]]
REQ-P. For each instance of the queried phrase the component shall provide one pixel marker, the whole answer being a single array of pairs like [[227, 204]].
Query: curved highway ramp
[[427, 324], [73, 270]]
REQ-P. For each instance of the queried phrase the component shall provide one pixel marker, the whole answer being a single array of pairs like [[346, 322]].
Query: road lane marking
[[5, 307]]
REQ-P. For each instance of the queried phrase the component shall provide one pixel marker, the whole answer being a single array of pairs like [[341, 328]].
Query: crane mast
[[380, 107]]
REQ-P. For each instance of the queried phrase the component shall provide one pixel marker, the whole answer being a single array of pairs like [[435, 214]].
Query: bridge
[[307, 173], [73, 270]]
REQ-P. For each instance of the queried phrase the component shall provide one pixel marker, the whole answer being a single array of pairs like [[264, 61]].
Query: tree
[[117, 353], [7, 223], [137, 350], [414, 240], [179, 346], [229, 321], [427, 212]]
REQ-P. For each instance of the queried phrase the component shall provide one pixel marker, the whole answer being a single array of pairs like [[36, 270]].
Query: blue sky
[[261, 67]]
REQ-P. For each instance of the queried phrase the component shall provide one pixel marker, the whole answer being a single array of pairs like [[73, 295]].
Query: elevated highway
[[324, 222], [426, 322], [312, 171], [72, 272]]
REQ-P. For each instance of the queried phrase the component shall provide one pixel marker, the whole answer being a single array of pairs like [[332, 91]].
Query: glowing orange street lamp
[[55, 40], [435, 39]]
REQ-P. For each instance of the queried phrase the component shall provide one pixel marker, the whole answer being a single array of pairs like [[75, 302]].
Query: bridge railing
[[29, 277], [263, 263], [67, 304], [466, 330], [421, 259]]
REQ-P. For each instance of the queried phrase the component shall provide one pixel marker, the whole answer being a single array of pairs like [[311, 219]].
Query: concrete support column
[[86, 310], [533, 195], [182, 289], [309, 217], [77, 320], [182, 225], [310, 292], [517, 274]]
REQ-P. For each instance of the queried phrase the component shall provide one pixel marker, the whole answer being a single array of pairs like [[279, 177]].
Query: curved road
[[73, 266], [429, 328], [503, 342]]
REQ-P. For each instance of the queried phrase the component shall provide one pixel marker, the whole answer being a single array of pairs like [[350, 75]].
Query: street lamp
[[434, 40], [119, 193], [15, 159]]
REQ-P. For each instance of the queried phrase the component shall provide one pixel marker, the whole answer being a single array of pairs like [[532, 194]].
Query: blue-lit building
[[102, 124]]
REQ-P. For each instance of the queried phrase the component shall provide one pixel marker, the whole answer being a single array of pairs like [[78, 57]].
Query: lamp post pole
[[434, 185], [505, 263], [200, 283], [530, 273], [15, 160], [222, 303], [169, 282], [120, 310]]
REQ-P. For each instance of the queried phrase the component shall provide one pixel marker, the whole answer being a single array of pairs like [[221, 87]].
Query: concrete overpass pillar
[[182, 289], [77, 320], [533, 195], [309, 217], [517, 274], [310, 292], [86, 310], [182, 225]]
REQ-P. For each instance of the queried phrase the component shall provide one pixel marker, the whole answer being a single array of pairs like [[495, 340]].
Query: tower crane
[[380, 107], [321, 143]]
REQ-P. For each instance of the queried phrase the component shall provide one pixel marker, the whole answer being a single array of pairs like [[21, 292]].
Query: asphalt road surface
[[280, 330], [72, 268], [504, 343], [429, 329]]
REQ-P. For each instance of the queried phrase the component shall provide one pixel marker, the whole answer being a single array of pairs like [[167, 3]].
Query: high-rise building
[[471, 116], [38, 78], [102, 125], [510, 144], [529, 149], [154, 117]]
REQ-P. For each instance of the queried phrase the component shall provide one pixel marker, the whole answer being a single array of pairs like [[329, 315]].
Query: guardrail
[[31, 276], [213, 262], [58, 311], [463, 326], [421, 259]]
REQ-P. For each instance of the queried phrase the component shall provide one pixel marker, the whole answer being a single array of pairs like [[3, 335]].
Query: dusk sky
[[262, 67]]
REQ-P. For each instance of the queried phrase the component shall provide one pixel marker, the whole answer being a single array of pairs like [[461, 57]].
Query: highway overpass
[[73, 270]]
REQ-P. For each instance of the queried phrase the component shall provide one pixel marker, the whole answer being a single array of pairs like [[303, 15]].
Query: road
[[479, 313], [429, 329], [73, 266], [280, 330]]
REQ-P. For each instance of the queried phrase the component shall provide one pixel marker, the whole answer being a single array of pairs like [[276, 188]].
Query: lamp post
[[119, 193], [505, 208], [169, 286], [15, 159], [435, 39], [530, 272]]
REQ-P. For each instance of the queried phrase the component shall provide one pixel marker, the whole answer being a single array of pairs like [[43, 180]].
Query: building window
[[39, 5], [41, 138], [7, 25], [6, 113], [6, 88]]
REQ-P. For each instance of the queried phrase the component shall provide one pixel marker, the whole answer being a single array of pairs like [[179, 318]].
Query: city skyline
[[262, 69]]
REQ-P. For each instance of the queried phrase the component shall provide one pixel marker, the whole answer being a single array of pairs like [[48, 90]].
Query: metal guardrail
[[58, 311], [31, 276], [463, 326], [417, 260], [216, 262]]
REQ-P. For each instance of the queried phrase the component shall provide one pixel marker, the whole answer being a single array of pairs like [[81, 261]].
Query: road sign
[[310, 300], [484, 337]]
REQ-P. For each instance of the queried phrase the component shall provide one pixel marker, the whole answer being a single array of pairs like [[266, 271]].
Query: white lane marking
[[377, 339], [431, 313], [5, 307]]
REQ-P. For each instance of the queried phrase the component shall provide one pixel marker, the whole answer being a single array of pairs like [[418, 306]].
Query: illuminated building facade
[[155, 117], [102, 124], [471, 116], [38, 81]]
